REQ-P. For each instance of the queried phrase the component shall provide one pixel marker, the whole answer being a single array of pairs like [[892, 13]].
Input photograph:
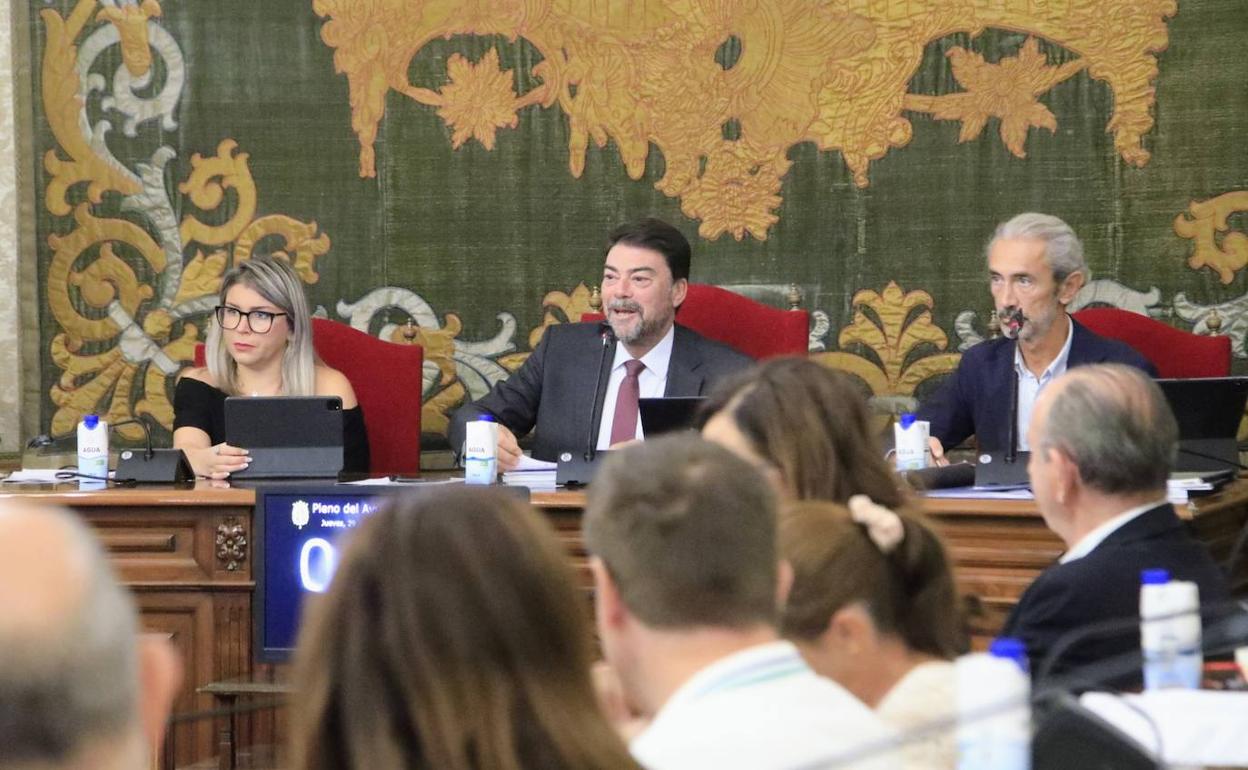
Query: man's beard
[[643, 328]]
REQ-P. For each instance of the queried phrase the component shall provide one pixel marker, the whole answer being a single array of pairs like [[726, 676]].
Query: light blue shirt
[[1029, 385]]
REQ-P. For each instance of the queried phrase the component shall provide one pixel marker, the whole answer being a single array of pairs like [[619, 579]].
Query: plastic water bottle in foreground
[[481, 451], [994, 709], [911, 441], [93, 452], [1170, 631]]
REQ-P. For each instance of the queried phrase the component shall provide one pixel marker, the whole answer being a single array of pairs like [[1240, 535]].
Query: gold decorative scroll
[[656, 73]]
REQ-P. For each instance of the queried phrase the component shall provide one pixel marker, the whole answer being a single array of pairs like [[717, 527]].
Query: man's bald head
[[1114, 424], [69, 672]]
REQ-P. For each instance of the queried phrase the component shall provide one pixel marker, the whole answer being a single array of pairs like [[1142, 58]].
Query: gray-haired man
[[1103, 439], [78, 687], [1035, 268]]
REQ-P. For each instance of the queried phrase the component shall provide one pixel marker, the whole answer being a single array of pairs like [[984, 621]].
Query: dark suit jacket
[[553, 391], [1105, 584], [975, 401]]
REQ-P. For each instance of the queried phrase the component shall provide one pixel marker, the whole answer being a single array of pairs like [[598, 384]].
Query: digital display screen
[[302, 534]]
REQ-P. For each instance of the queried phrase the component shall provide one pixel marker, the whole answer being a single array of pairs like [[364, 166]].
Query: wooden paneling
[[187, 555]]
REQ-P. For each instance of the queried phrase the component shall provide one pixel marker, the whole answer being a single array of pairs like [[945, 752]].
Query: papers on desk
[[1181, 486], [980, 493], [1195, 727], [534, 474], [35, 476], [400, 481]]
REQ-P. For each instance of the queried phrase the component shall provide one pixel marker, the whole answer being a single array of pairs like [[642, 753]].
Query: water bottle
[[1170, 631], [481, 451], [993, 707], [911, 441], [92, 452]]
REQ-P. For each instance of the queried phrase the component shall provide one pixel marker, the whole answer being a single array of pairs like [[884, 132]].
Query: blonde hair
[[276, 281]]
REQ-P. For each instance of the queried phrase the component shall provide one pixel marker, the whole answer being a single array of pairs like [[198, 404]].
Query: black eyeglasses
[[259, 321]]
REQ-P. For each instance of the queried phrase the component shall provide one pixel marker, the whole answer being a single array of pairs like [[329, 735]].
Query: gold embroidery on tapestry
[[835, 75]]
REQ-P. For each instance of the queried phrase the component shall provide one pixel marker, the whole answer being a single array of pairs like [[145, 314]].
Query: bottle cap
[[1010, 648], [91, 421], [907, 420], [1154, 577], [486, 418]]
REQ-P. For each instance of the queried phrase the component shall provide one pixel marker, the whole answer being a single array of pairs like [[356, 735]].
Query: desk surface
[[214, 493]]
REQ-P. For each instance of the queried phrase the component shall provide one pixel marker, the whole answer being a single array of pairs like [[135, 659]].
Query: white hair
[[1062, 247]]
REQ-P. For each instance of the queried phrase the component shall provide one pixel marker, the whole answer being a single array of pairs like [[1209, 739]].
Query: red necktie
[[624, 423]]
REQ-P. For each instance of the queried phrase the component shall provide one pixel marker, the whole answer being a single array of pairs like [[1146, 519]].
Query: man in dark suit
[[640, 353], [1036, 267], [1103, 439]]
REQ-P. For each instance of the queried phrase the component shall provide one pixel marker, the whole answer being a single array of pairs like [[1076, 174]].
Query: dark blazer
[[553, 391], [975, 401], [1106, 584]]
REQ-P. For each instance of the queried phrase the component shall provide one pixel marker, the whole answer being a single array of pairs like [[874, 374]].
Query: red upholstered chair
[[758, 330], [1174, 352], [387, 380]]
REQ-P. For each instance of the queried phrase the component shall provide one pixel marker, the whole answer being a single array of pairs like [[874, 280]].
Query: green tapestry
[[456, 165]]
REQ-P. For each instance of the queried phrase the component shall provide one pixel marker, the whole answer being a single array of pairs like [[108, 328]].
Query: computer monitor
[[1208, 411]]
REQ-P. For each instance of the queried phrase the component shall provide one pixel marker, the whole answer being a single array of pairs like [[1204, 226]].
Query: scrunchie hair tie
[[883, 525]]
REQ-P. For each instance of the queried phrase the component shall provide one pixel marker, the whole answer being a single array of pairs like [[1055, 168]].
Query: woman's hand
[[217, 462]]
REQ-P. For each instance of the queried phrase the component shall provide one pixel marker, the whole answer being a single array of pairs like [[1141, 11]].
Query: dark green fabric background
[[476, 232]]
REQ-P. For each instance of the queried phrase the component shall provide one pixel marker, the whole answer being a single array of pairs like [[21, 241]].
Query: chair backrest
[[758, 330], [1175, 353], [387, 380]]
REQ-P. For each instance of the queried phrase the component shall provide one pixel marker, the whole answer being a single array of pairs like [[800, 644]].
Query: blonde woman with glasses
[[259, 344]]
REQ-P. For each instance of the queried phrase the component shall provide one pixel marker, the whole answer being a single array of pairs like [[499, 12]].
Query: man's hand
[[508, 450], [938, 451]]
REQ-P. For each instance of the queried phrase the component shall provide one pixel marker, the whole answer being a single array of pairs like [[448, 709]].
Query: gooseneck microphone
[[149, 466], [1011, 450], [591, 443], [1224, 623], [576, 471]]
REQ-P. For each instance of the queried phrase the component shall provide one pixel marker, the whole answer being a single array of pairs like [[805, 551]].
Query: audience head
[[867, 584], [682, 537], [806, 427], [78, 686], [279, 327], [1036, 268], [644, 279], [452, 636], [1103, 430]]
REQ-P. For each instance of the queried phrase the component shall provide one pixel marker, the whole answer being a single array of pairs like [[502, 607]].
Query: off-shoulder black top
[[196, 404]]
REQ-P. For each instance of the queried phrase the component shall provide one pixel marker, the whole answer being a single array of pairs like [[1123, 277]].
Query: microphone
[[574, 471], [153, 466], [591, 444], [150, 466], [1012, 320], [1011, 451], [1223, 622]]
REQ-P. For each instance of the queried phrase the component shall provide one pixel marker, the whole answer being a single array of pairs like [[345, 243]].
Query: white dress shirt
[[1090, 541], [1029, 385], [763, 708], [652, 382]]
